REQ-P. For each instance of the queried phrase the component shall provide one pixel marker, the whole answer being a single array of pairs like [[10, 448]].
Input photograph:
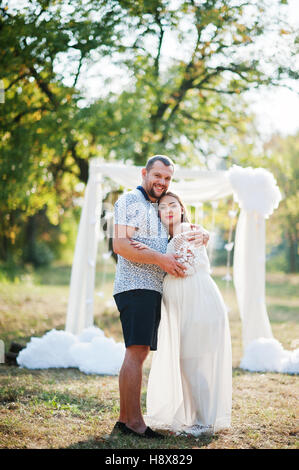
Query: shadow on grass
[[63, 401], [32, 389], [72, 402], [119, 441], [52, 375]]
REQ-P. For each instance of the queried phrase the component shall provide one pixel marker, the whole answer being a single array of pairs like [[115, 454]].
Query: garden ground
[[65, 408]]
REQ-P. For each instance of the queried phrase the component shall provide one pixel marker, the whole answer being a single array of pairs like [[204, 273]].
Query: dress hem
[[194, 429]]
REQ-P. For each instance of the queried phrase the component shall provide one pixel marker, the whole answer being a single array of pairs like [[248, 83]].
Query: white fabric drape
[[208, 186], [249, 276], [257, 194], [193, 185], [81, 295]]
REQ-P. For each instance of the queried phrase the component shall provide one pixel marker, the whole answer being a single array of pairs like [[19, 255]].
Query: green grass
[[65, 408]]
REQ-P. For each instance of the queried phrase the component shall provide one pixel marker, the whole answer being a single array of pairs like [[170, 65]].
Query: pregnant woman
[[190, 382]]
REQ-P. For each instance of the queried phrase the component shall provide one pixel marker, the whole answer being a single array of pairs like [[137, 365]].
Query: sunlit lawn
[[60, 408]]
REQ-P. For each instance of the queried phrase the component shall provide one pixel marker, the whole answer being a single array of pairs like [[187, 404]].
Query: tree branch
[[157, 58], [44, 86], [78, 70], [17, 118], [208, 121], [81, 162], [20, 77]]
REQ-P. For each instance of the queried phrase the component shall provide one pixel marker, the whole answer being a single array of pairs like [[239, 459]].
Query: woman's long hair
[[184, 217]]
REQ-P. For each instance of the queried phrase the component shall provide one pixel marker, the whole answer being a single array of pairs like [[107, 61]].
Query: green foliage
[[182, 102]]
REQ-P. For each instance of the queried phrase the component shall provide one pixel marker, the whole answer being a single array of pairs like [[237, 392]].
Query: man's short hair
[[162, 158]]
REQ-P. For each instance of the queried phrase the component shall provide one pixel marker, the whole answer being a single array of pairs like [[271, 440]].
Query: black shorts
[[140, 314]]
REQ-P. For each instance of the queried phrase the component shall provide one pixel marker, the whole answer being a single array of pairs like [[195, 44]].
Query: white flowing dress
[[190, 382]]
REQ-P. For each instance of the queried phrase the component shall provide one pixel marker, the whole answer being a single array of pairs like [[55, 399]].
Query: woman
[[190, 382]]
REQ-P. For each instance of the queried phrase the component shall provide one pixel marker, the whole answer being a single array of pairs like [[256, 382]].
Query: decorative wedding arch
[[256, 192]]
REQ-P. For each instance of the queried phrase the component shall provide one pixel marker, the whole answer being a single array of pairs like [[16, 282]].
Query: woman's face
[[170, 211]]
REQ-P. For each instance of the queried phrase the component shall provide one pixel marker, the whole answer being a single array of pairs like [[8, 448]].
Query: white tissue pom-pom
[[268, 355], [291, 363], [101, 356], [51, 350], [255, 189], [88, 334], [91, 351]]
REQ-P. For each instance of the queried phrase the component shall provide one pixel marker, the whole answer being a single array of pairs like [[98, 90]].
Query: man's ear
[[143, 173]]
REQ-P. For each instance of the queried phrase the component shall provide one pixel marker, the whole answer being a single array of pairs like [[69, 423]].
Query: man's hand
[[167, 262], [197, 235]]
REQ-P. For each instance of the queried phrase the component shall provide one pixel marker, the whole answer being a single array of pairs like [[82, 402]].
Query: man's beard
[[151, 192]]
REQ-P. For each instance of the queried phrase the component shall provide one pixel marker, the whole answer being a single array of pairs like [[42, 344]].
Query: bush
[[39, 254]]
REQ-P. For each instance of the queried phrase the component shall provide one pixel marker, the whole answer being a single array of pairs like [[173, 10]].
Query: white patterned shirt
[[134, 210]]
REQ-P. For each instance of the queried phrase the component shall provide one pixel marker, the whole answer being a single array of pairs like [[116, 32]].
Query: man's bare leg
[[122, 391], [130, 380]]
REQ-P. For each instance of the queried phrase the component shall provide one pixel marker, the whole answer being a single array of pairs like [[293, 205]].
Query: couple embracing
[[168, 304]]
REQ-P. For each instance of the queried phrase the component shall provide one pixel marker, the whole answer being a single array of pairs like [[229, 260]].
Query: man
[[138, 283]]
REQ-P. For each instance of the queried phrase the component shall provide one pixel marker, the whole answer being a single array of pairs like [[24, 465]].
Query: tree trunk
[[4, 244], [293, 252], [30, 239]]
